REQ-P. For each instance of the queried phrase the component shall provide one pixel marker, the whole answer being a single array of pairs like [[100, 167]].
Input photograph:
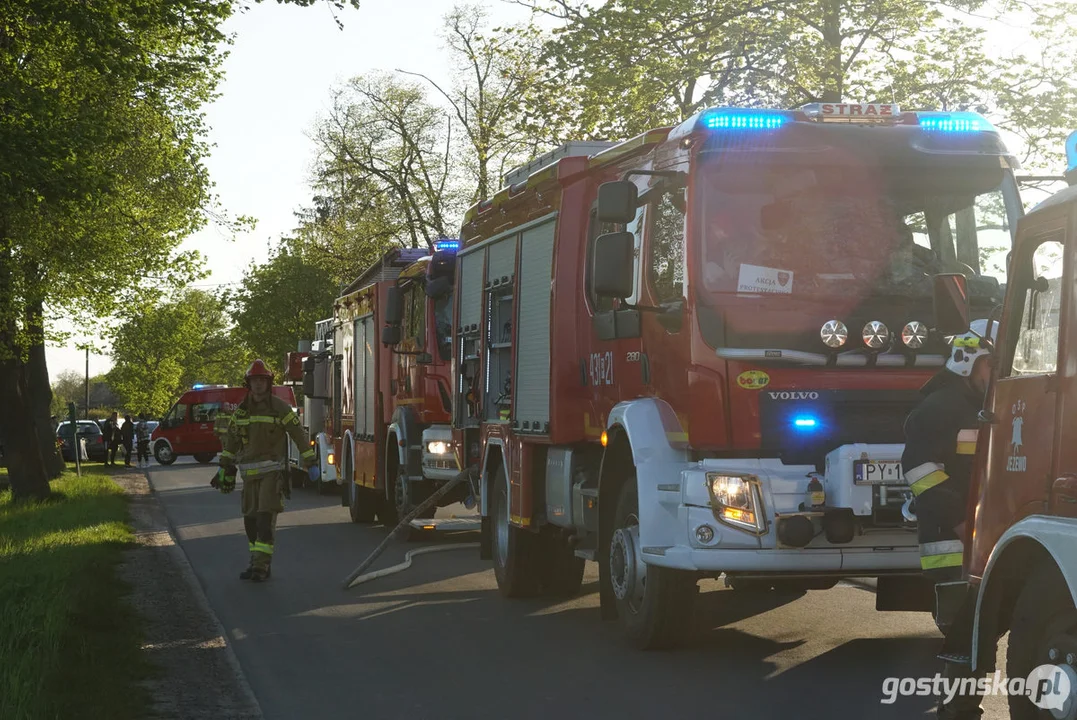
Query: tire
[[163, 454], [654, 604], [562, 571], [361, 504], [516, 565], [1043, 616], [205, 458]]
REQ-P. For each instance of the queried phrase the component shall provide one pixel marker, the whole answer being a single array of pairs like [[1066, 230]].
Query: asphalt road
[[437, 641]]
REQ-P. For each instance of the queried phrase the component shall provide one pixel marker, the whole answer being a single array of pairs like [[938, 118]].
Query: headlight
[[736, 501], [875, 335], [834, 333], [437, 447], [914, 335], [330, 459]]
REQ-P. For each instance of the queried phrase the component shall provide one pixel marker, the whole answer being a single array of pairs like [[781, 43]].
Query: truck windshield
[[815, 230]]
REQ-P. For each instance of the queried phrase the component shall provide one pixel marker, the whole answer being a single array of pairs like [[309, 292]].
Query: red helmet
[[257, 369]]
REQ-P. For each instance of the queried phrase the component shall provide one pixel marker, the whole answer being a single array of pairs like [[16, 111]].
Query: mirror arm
[[656, 173]]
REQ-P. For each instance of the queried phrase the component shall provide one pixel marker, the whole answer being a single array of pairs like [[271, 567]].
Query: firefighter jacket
[[255, 442], [940, 442]]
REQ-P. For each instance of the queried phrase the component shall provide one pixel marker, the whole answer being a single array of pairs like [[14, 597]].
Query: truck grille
[[841, 417]]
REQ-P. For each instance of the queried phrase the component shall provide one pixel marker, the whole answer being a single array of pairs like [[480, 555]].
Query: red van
[[188, 428]]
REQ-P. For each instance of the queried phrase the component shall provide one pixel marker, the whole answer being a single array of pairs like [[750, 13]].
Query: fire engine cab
[[691, 353]]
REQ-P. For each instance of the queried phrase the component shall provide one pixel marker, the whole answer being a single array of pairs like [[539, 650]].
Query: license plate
[[878, 473]]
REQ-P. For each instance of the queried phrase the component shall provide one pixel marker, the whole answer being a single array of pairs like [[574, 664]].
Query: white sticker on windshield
[[758, 279]]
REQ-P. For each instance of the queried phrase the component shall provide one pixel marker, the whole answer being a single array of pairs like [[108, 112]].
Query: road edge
[[191, 579]]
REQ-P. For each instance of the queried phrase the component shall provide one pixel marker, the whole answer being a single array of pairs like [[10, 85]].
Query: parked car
[[88, 430]]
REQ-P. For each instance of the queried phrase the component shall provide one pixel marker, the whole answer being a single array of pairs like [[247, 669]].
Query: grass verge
[[69, 640]]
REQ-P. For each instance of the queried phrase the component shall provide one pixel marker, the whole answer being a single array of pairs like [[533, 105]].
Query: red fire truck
[[385, 375], [1021, 556], [692, 353]]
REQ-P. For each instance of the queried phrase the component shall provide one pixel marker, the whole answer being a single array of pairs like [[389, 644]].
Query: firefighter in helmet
[[255, 446], [940, 442]]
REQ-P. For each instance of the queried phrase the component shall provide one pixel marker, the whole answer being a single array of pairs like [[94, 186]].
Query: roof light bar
[[446, 245], [742, 120], [955, 122]]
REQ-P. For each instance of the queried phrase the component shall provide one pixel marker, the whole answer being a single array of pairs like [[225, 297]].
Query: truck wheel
[[654, 604], [163, 454], [360, 503], [515, 560], [205, 458], [1044, 619], [562, 571]]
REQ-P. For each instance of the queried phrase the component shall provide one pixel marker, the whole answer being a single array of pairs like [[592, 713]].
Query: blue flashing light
[[743, 120], [446, 245], [199, 386], [1071, 153], [805, 422], [954, 122]]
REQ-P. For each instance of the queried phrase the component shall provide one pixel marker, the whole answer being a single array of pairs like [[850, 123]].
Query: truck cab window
[[443, 325], [415, 313], [666, 257], [1036, 352], [176, 416], [205, 412]]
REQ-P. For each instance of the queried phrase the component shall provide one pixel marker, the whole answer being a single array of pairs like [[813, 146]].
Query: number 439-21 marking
[[602, 368]]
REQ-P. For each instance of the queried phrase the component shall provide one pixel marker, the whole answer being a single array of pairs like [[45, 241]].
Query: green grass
[[69, 640]]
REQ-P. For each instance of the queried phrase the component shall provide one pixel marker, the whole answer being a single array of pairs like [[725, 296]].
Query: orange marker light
[[605, 438]]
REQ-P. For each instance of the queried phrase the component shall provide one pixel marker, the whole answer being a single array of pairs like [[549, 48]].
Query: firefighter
[[254, 444], [940, 441]]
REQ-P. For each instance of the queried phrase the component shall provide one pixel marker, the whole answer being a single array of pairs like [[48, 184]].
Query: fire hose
[[357, 578]]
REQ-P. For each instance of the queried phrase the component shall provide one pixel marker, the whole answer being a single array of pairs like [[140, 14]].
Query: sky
[[277, 81], [278, 77]]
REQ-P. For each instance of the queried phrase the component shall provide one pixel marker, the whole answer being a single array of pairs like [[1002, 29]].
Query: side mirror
[[951, 304], [438, 287], [611, 269], [308, 382], [391, 335], [394, 307], [617, 201]]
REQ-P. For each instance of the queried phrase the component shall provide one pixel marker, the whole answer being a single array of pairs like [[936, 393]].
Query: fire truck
[[691, 353], [311, 366], [385, 378], [1020, 560]]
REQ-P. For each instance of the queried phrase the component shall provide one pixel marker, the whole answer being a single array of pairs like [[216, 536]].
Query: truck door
[[1021, 461], [614, 367]]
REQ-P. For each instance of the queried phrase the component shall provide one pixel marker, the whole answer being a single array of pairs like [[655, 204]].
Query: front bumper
[[684, 507]]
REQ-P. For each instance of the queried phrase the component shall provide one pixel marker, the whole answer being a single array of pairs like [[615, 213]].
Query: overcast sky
[[277, 80]]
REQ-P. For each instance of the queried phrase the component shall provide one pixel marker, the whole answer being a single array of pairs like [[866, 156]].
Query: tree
[[101, 128], [161, 350], [278, 303], [630, 65]]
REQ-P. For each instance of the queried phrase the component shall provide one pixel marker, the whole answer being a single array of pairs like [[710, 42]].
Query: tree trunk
[[22, 450], [833, 77], [40, 398]]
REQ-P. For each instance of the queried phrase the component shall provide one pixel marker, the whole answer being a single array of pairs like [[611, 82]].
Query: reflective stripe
[[966, 342], [308, 453], [935, 562], [922, 471], [227, 454], [241, 421], [928, 481], [942, 547], [251, 546], [260, 465], [262, 547], [264, 419], [966, 442], [291, 417]]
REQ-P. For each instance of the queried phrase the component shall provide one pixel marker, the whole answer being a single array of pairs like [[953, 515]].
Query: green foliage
[[161, 350], [69, 641], [617, 69], [278, 304]]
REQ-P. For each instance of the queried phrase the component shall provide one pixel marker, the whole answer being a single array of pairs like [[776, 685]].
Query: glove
[[225, 481], [315, 473]]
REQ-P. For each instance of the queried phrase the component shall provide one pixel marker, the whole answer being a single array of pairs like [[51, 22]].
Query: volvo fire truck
[[386, 376], [691, 353]]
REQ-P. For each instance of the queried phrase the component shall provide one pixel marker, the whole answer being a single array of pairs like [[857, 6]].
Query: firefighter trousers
[[262, 500], [260, 528], [939, 511]]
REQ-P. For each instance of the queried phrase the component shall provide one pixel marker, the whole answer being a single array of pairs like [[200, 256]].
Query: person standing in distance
[[254, 445]]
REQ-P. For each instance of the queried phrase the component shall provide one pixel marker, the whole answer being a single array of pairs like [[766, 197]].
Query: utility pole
[[86, 407]]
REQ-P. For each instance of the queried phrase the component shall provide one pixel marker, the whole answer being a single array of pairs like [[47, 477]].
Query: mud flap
[[904, 593]]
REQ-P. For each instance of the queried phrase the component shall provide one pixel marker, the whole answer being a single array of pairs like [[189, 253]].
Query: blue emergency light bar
[[955, 122], [805, 422], [199, 386], [446, 245], [1071, 153], [742, 119]]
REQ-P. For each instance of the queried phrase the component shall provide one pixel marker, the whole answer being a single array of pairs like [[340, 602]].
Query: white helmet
[[967, 348]]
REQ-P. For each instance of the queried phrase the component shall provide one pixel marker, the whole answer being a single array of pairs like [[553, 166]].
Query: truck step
[[456, 524]]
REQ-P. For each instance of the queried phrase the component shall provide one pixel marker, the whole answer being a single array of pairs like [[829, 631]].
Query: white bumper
[[439, 466], [685, 506]]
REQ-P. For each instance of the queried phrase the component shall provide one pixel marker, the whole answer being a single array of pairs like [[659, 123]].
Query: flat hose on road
[[357, 577]]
